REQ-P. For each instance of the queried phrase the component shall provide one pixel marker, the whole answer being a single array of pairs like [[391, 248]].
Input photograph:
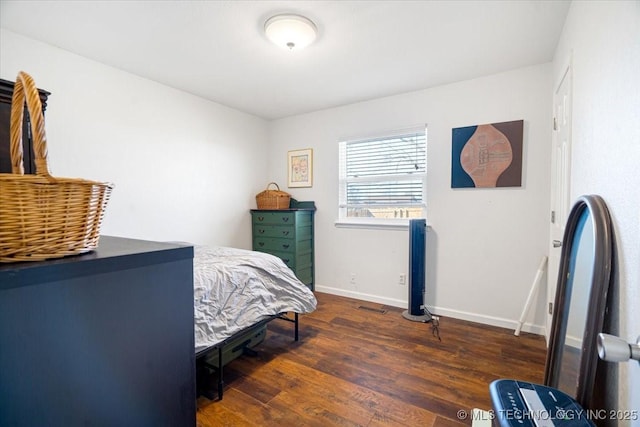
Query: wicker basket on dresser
[[289, 235]]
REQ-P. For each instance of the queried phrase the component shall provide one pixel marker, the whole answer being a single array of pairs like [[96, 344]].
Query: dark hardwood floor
[[359, 367]]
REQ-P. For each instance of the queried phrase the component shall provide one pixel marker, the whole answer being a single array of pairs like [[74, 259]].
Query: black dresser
[[101, 339]]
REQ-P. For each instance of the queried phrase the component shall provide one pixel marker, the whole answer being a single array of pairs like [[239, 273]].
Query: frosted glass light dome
[[290, 31]]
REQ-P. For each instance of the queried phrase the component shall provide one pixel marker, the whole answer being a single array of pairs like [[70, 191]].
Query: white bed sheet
[[235, 288]]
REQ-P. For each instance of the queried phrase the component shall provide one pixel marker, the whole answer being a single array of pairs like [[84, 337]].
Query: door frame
[[566, 72]]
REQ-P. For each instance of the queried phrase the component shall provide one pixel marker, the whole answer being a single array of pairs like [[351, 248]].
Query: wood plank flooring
[[359, 367]]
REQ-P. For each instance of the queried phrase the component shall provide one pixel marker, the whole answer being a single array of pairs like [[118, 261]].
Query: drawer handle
[[286, 246], [261, 231], [285, 219], [285, 233], [286, 260], [260, 218], [260, 243]]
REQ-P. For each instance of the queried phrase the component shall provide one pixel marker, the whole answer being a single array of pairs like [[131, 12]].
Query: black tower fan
[[417, 272]]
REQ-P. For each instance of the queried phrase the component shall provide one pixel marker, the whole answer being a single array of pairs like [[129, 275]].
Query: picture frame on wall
[[487, 156], [300, 168]]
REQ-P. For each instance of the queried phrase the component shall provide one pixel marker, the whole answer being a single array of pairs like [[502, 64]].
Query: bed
[[236, 293]]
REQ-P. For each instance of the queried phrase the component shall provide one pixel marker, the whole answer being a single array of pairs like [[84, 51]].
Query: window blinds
[[383, 172]]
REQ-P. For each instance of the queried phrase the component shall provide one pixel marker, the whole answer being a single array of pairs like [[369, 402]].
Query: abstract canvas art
[[486, 156]]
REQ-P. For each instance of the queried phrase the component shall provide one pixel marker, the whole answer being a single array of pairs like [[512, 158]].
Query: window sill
[[401, 224]]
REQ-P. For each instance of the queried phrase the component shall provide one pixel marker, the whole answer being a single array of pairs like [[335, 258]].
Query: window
[[383, 180]]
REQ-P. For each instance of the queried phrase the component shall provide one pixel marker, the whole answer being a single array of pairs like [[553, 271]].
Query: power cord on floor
[[435, 323], [435, 327]]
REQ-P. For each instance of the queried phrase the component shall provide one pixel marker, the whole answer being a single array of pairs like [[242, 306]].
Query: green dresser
[[287, 234]]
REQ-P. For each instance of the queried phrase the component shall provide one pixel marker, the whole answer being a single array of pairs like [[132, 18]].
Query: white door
[[560, 177]]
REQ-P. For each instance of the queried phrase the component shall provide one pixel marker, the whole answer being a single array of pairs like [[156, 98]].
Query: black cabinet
[[6, 93], [101, 339]]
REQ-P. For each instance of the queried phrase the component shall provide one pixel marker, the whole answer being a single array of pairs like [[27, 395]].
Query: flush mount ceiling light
[[290, 31]]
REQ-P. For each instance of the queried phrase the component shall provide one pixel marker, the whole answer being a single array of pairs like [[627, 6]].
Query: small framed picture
[[300, 171]]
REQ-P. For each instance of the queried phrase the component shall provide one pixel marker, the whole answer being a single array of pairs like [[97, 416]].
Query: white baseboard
[[364, 297], [439, 311], [487, 320]]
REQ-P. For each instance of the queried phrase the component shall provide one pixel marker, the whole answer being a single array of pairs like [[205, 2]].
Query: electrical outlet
[[403, 279], [353, 279]]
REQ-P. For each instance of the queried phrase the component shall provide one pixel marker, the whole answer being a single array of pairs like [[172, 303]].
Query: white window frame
[[385, 223]]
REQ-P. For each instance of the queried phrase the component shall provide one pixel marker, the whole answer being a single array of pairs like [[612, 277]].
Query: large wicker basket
[[43, 217], [273, 199]]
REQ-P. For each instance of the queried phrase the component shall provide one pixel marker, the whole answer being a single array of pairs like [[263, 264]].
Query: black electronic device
[[524, 404], [417, 272]]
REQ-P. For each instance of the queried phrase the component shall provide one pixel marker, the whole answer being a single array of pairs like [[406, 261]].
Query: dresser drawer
[[287, 258], [281, 231], [275, 218], [269, 244], [295, 263]]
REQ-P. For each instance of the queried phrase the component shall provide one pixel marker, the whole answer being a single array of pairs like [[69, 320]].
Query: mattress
[[235, 288]]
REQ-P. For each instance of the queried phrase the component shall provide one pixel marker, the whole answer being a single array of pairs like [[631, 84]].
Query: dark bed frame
[[201, 355]]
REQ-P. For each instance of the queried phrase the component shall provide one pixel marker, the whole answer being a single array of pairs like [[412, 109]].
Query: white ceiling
[[365, 49]]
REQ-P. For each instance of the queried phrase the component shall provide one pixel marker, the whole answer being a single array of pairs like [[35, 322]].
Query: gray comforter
[[235, 288]]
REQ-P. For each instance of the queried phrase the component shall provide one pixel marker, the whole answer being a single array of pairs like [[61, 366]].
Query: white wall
[[184, 168], [603, 40], [485, 244]]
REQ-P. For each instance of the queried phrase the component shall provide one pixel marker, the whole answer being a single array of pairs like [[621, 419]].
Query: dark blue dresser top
[[113, 253]]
